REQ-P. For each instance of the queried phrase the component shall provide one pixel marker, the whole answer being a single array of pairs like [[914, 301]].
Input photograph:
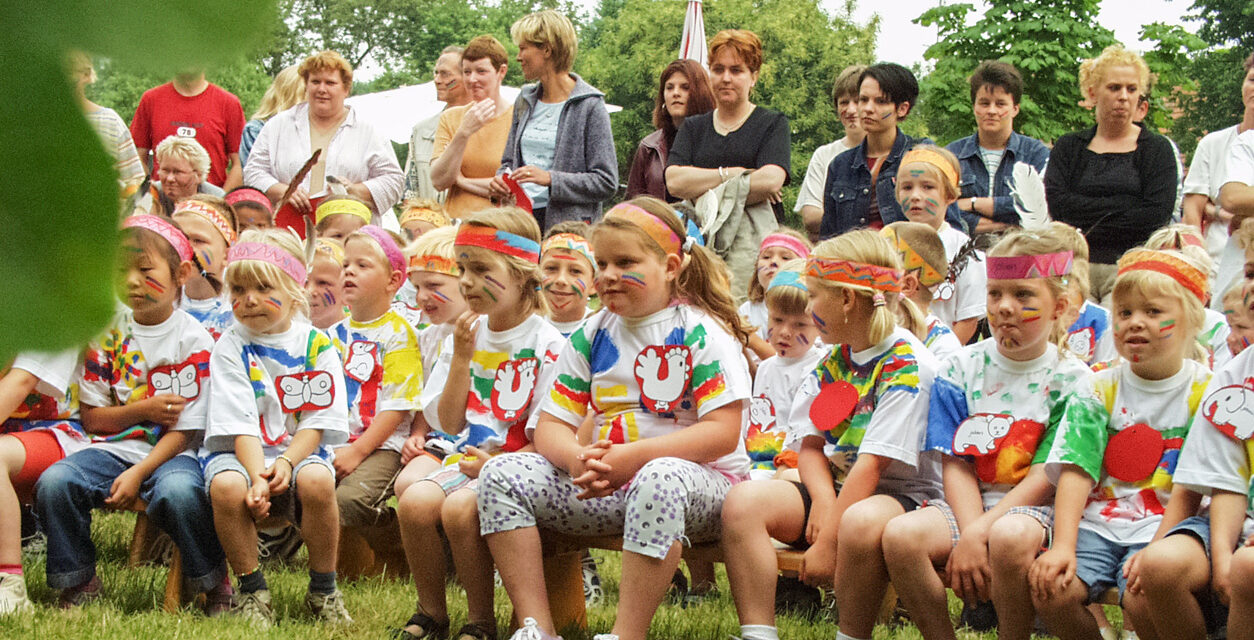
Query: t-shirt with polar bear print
[[774, 387]]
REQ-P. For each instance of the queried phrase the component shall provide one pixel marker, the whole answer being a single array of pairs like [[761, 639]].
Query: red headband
[[1168, 264], [510, 244], [662, 234]]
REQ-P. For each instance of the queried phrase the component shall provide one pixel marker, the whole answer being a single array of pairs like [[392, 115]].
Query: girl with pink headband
[[252, 208], [210, 226], [779, 247]]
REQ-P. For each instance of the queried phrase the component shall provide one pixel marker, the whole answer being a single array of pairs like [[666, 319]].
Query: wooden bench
[[141, 541]]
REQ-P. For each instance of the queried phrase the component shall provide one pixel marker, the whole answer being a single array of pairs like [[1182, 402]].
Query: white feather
[[1028, 190]]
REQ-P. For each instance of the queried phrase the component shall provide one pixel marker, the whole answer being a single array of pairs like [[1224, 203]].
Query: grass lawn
[[131, 607]]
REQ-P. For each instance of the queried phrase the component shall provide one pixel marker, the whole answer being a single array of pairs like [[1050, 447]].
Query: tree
[[1044, 39]]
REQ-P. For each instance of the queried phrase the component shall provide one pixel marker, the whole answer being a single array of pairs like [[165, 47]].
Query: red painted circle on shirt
[[1134, 453], [833, 405]]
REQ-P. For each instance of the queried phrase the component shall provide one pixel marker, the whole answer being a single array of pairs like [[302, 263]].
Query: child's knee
[[1163, 565], [315, 485], [460, 512], [863, 523], [227, 490], [54, 482], [743, 507], [421, 505], [904, 536], [1241, 574], [1014, 542]]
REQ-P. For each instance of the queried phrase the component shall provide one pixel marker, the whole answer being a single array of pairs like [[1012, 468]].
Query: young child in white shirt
[[568, 266], [209, 224], [326, 274], [924, 267]]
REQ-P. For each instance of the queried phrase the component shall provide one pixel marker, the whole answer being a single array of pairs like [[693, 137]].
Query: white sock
[[758, 632], [845, 636]]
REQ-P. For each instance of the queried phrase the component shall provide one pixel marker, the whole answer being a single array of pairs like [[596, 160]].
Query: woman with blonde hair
[[287, 91]]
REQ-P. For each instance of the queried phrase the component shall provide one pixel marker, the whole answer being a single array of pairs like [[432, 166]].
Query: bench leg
[[174, 583], [140, 541], [563, 576], [356, 558]]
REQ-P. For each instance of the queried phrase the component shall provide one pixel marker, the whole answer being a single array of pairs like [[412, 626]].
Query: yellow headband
[[927, 156], [342, 205], [330, 249], [436, 218]]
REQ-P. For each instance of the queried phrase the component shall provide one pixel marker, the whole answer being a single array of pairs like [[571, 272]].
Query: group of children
[[485, 377]]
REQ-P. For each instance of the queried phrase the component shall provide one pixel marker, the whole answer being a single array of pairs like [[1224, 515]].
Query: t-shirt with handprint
[[505, 371], [214, 314], [131, 362], [1090, 337], [382, 372], [873, 402], [1001, 414], [1125, 434], [271, 385], [53, 405], [405, 303], [651, 376], [774, 387], [940, 340]]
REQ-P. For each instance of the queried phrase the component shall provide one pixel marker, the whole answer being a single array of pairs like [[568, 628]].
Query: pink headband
[[212, 215], [386, 243], [786, 241], [163, 228], [249, 194], [1038, 266], [263, 252]]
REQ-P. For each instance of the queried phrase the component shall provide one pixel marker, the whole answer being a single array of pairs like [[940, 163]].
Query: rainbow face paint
[[581, 287], [634, 278], [802, 339], [916, 173], [154, 285], [489, 292], [440, 296], [1031, 314], [328, 298], [206, 259], [274, 303], [494, 282], [1165, 328], [818, 321]]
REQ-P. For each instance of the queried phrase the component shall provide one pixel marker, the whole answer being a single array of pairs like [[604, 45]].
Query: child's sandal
[[431, 630], [476, 631]]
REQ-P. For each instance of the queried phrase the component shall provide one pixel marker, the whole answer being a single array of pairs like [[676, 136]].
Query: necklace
[[724, 129]]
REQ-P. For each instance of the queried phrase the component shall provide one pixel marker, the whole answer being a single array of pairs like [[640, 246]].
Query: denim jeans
[[177, 503]]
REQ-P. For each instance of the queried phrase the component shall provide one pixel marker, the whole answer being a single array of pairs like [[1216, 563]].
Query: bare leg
[[1241, 611], [914, 544], [1013, 543], [419, 514], [860, 570], [520, 562], [1065, 614], [471, 557], [753, 513], [320, 516], [417, 469], [233, 521], [1173, 569], [12, 457], [644, 585]]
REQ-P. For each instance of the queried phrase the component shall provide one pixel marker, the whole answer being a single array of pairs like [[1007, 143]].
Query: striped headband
[[858, 274], [788, 279], [426, 214], [1039, 266], [249, 194], [385, 241], [341, 205], [927, 156], [331, 248], [929, 276], [1169, 264], [262, 252], [786, 241], [211, 214], [652, 225], [165, 229], [510, 244], [570, 242], [434, 264]]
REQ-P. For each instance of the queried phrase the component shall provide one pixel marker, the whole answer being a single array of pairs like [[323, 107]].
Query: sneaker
[[605, 636], [279, 545], [13, 597], [794, 597], [979, 617], [328, 607], [476, 631], [82, 594], [254, 607], [531, 631], [1109, 633], [218, 599], [592, 592]]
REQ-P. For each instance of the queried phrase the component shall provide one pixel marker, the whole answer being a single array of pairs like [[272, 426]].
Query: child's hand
[[968, 570], [1132, 572], [414, 446], [258, 498], [464, 335], [819, 510], [164, 408], [1052, 572], [278, 477], [623, 464], [473, 461], [587, 470], [125, 489], [346, 461], [818, 566]]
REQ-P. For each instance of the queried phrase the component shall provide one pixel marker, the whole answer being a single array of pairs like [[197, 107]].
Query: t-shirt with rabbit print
[[506, 370], [774, 387], [651, 376], [272, 385], [131, 362], [382, 372]]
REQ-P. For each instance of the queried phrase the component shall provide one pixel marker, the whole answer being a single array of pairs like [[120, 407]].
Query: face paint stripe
[[634, 278], [154, 285], [274, 302], [489, 292], [493, 281], [440, 296], [818, 320]]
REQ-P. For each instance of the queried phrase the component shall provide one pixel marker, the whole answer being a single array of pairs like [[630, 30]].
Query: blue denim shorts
[[1196, 526], [1099, 562], [285, 505]]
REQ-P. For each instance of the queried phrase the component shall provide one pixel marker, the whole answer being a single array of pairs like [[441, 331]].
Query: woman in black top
[[1116, 181]]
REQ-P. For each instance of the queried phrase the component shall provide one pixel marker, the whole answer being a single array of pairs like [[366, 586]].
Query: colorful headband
[[786, 241], [570, 242], [1038, 266], [434, 264], [263, 252], [387, 243], [165, 229], [929, 276], [331, 248], [661, 232], [927, 156], [425, 214], [211, 214], [858, 274], [341, 205], [788, 279], [510, 244], [1168, 264], [249, 194]]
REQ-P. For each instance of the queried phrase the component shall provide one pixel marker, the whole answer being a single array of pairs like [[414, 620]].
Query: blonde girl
[[481, 392], [278, 406], [924, 267], [568, 265], [325, 284], [661, 373], [861, 416], [1088, 328], [209, 223], [780, 246], [1187, 240]]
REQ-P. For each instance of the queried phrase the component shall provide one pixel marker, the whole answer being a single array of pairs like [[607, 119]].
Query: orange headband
[[1168, 264], [426, 214], [652, 225], [858, 274], [434, 264], [927, 156]]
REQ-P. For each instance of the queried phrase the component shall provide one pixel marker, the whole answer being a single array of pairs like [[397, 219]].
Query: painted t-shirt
[[966, 297], [53, 405], [940, 340], [757, 314], [214, 314], [430, 344], [651, 376], [131, 362], [774, 387], [1214, 338], [1090, 337], [272, 385], [892, 382], [999, 413], [406, 304], [382, 372], [506, 369], [1126, 434]]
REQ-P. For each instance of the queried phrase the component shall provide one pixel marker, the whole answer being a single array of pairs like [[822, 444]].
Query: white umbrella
[[692, 45]]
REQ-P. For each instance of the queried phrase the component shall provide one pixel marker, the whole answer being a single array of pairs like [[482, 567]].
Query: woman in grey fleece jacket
[[560, 146]]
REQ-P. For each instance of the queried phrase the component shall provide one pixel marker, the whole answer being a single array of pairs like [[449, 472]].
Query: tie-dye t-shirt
[[214, 314], [1090, 338], [999, 413], [53, 405], [774, 387], [651, 376], [382, 372], [131, 362], [272, 385], [1214, 337], [893, 381], [505, 371], [940, 340], [1126, 434]]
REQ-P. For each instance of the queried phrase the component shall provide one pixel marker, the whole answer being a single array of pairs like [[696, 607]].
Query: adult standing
[[1115, 181], [560, 146], [352, 151], [450, 90], [845, 99], [287, 91], [470, 139], [184, 172], [192, 107], [860, 185], [1237, 194], [114, 134], [988, 157], [683, 90]]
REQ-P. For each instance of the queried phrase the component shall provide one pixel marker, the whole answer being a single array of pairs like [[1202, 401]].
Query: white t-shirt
[[999, 413], [382, 372], [992, 160], [776, 383], [130, 362], [568, 328], [968, 296], [406, 304], [1207, 175], [1126, 434], [940, 340], [538, 145], [756, 313], [893, 381], [53, 406], [1240, 166], [430, 343], [811, 192], [651, 376], [1214, 337], [272, 385], [213, 313], [1090, 337]]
